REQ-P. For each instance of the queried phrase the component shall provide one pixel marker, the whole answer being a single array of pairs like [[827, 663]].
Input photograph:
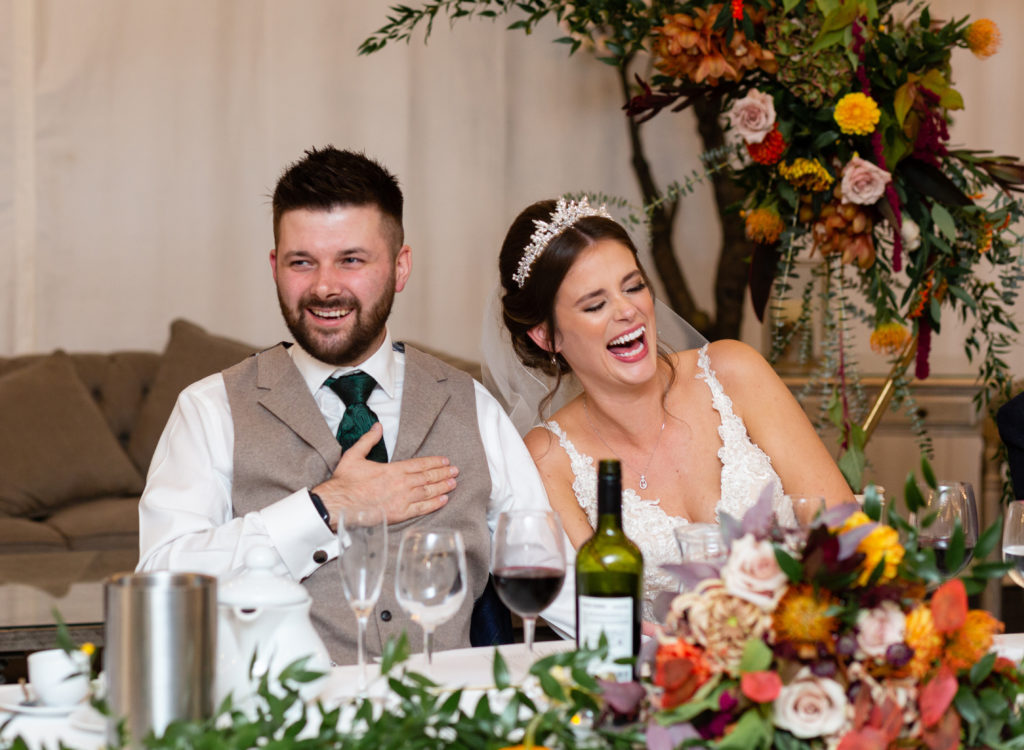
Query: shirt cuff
[[299, 534]]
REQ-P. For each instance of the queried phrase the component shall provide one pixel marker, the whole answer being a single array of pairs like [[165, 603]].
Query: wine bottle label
[[613, 616]]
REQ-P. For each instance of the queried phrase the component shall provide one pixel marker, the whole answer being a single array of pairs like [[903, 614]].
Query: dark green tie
[[354, 389]]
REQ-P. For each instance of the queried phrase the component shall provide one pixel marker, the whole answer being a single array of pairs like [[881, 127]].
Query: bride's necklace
[[643, 474]]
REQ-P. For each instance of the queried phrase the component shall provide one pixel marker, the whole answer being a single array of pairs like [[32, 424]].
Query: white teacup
[[57, 677]]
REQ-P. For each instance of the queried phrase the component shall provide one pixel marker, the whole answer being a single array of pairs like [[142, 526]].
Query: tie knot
[[353, 388]]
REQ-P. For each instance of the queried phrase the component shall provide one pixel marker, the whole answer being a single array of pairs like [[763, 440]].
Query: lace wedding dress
[[746, 469]]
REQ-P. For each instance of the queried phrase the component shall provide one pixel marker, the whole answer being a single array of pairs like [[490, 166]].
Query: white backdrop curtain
[[140, 140]]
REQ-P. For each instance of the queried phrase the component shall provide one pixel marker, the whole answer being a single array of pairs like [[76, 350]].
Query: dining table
[[471, 669]]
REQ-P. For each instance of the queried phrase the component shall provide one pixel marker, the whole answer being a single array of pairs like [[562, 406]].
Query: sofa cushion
[[56, 447], [103, 524], [22, 535], [191, 355]]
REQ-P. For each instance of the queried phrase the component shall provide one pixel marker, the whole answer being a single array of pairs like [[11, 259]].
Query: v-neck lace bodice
[[746, 469]]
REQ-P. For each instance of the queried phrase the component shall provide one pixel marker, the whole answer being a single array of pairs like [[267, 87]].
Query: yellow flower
[[983, 37], [883, 543], [972, 641], [857, 114], [800, 618], [763, 225], [985, 241], [88, 648], [806, 174], [921, 636], [889, 338]]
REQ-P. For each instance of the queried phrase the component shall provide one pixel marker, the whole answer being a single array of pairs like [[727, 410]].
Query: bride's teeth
[[627, 337]]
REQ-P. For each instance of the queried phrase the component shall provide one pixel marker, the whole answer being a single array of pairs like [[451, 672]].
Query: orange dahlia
[[770, 150], [680, 668], [882, 544], [889, 338], [983, 37], [922, 637], [801, 618], [857, 114], [971, 642], [763, 225]]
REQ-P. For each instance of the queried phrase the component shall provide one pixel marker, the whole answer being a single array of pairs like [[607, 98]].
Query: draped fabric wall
[[140, 140]]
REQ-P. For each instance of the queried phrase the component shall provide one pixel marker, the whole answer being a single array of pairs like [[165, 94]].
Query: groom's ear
[[539, 334]]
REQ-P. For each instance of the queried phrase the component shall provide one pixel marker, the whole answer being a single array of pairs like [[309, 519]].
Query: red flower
[[949, 606], [770, 150], [680, 668], [760, 687], [737, 10]]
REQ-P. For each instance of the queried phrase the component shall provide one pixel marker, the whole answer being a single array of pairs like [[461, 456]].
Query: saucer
[[88, 719]]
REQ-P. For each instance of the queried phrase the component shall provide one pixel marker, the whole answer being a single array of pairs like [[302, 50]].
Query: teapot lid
[[258, 586]]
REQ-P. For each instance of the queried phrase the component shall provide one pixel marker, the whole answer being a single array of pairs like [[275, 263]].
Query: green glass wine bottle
[[609, 581]]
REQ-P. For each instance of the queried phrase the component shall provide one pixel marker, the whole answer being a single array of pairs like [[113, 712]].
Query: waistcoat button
[[386, 615]]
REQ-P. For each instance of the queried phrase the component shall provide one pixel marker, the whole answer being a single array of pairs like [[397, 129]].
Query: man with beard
[[262, 453]]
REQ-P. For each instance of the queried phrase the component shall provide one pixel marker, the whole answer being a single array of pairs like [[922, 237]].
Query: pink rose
[[753, 116], [879, 628], [811, 706], [752, 573], [863, 182]]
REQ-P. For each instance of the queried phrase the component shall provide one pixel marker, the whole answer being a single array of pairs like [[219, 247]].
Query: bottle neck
[[609, 501]]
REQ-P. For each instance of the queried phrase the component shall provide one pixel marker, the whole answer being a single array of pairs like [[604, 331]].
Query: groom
[[271, 450]]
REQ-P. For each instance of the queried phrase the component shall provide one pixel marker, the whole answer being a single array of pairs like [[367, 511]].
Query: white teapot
[[267, 615]]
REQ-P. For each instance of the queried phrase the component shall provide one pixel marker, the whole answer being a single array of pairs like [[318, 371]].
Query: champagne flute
[[950, 503], [1013, 540], [362, 557], [431, 582], [528, 563]]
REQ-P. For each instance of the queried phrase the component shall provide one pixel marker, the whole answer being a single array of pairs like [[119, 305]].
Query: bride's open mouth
[[631, 345]]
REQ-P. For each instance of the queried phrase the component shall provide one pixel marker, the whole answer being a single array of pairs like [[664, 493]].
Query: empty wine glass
[[950, 504], [1013, 540], [806, 509], [700, 542], [362, 557], [528, 563], [431, 581]]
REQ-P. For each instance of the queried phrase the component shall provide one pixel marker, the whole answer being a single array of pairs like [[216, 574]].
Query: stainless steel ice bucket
[[160, 650]]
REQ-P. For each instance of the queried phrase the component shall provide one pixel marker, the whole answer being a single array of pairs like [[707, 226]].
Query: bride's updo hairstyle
[[533, 304]]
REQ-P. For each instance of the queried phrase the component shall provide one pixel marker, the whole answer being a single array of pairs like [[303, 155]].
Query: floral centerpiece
[[836, 645]]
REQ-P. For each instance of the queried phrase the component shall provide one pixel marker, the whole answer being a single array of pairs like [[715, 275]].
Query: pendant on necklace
[[643, 482]]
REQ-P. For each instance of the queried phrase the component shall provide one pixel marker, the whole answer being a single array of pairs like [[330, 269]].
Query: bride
[[697, 432]]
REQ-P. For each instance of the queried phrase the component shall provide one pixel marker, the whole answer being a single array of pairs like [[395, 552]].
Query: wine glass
[[700, 542], [806, 509], [528, 563], [949, 503], [431, 581], [1013, 540], [362, 557]]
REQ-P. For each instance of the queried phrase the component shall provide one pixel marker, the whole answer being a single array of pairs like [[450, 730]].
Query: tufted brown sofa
[[78, 432]]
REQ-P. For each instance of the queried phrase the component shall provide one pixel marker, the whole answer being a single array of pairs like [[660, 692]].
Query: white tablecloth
[[470, 668]]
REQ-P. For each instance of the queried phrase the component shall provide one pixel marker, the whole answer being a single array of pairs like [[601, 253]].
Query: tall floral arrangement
[[839, 111]]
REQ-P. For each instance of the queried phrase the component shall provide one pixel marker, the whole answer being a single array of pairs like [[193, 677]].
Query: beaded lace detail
[[746, 469]]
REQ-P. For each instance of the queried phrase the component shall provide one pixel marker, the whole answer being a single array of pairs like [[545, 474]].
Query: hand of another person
[[404, 489]]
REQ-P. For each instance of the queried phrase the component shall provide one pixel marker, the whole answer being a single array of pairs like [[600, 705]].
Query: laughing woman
[[698, 432]]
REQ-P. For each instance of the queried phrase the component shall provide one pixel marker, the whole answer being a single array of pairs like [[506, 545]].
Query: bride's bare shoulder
[[543, 443]]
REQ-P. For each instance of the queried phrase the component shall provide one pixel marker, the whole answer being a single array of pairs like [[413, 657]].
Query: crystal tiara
[[565, 215]]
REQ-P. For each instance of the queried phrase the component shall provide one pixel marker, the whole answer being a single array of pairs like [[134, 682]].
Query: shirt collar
[[381, 365]]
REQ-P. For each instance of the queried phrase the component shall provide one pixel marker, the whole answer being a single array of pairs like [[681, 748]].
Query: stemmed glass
[[431, 582], [950, 503], [1013, 540], [528, 562], [362, 557]]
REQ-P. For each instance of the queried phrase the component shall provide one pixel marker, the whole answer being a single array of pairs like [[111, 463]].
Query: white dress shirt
[[186, 521]]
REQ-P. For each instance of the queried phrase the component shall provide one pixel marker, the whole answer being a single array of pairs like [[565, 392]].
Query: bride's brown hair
[[534, 304]]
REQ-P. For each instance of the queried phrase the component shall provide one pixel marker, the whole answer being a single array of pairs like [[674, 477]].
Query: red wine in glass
[[941, 549], [528, 590]]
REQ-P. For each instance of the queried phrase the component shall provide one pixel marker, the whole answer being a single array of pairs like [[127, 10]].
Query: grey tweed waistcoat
[[283, 444]]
